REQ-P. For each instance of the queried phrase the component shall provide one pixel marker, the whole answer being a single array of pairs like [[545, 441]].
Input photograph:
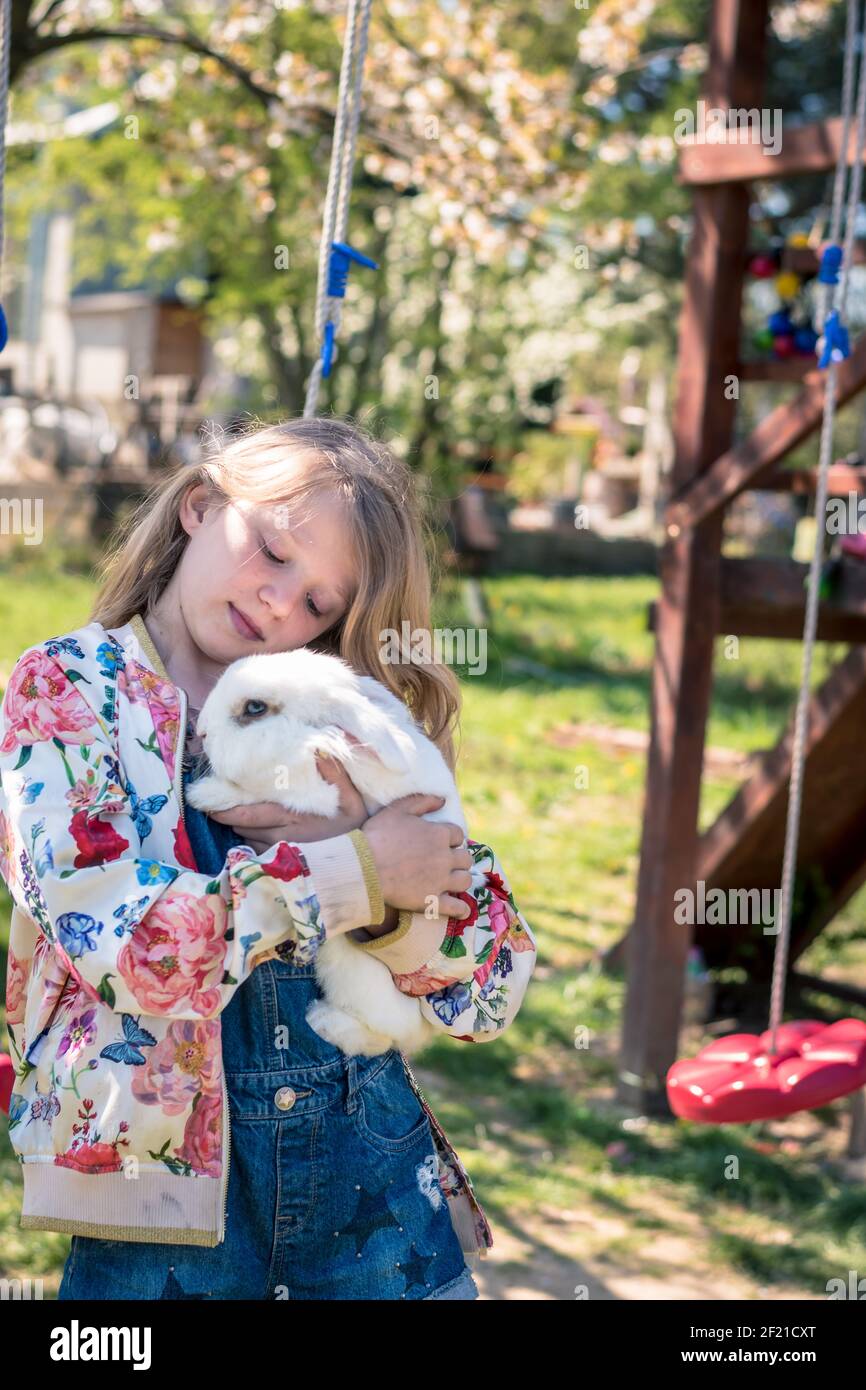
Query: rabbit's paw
[[348, 1033], [212, 793]]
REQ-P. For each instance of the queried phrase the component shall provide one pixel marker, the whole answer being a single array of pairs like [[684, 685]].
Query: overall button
[[285, 1098]]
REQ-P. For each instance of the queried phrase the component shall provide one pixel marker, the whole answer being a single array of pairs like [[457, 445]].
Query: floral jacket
[[122, 955]]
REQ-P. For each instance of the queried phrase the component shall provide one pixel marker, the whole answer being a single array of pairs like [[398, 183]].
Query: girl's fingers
[[450, 906]]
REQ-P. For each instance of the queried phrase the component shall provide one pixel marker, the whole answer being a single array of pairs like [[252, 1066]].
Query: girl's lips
[[243, 626]]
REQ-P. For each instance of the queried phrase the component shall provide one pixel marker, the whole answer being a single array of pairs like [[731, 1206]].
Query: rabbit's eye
[[253, 709]]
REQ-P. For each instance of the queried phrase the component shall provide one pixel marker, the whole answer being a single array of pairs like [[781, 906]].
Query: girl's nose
[[284, 596]]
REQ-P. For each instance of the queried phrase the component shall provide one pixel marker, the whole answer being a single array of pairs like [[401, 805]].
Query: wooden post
[[657, 947]]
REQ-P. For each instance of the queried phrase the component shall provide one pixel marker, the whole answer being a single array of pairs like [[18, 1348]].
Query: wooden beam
[[805, 260], [704, 419], [842, 478], [776, 435], [805, 149], [785, 369], [767, 598]]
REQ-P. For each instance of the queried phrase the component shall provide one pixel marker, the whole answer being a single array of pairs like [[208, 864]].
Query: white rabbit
[[262, 725]]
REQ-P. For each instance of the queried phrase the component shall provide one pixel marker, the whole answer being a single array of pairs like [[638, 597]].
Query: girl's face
[[253, 579]]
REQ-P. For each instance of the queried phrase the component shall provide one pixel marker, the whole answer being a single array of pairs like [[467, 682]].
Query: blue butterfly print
[[127, 914], [128, 1049], [30, 790], [248, 942], [63, 644], [112, 767], [143, 809]]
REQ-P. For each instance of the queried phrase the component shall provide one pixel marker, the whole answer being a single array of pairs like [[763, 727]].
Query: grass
[[533, 1115]]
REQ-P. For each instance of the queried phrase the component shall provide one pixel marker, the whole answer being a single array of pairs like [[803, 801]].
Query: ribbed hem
[[155, 1207], [371, 877], [338, 879], [375, 943]]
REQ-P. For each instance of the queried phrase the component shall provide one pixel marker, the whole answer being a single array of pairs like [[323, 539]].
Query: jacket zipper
[[226, 1126], [413, 1079]]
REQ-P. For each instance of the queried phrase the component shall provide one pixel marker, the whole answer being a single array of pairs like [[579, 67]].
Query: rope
[[336, 214], [801, 723]]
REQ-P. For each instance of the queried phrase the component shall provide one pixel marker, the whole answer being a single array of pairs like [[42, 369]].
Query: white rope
[[336, 215], [836, 300]]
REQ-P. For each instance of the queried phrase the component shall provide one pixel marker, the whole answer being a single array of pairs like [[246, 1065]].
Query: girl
[[172, 1110]]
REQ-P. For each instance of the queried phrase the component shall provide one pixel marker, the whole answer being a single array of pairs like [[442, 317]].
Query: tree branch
[[48, 43]]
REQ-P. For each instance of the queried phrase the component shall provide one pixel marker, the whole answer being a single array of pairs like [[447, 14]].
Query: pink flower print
[[423, 981], [42, 703], [186, 1063], [17, 975], [140, 685], [78, 1035], [203, 1137], [175, 957], [84, 793], [8, 857], [500, 915]]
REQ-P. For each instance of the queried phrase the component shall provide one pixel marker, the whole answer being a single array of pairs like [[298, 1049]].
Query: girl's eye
[[316, 612]]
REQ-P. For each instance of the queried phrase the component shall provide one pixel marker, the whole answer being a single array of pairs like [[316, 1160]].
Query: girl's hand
[[418, 859], [265, 823]]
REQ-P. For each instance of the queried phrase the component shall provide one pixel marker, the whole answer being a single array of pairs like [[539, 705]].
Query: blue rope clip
[[831, 261], [4, 329], [342, 256], [835, 345]]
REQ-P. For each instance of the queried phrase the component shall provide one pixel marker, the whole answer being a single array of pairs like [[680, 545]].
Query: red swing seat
[[735, 1080]]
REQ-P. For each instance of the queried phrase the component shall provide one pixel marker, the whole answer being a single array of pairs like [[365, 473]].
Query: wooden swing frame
[[704, 594]]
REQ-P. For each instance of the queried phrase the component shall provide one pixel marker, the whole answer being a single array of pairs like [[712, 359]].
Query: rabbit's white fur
[[315, 703]]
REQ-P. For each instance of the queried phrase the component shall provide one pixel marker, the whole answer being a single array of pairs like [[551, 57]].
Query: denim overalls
[[333, 1189]]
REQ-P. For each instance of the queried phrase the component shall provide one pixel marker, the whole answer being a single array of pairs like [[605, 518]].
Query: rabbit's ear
[[373, 735]]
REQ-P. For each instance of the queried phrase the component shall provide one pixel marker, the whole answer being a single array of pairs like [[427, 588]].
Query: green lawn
[[532, 1115]]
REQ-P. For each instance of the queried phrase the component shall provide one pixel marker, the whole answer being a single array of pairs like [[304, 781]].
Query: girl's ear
[[372, 735]]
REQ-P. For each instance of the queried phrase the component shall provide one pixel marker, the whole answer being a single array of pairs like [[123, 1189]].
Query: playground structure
[[705, 594]]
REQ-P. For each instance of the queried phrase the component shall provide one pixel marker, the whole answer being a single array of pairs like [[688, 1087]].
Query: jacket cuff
[[375, 943], [371, 877], [413, 945], [340, 883]]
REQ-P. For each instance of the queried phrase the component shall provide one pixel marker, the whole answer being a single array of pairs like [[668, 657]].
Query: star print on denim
[[415, 1269], [369, 1217]]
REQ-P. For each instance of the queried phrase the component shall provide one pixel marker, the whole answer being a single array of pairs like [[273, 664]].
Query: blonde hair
[[393, 543]]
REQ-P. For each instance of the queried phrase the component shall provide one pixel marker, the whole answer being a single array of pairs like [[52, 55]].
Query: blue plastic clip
[[835, 344], [831, 261], [328, 349], [342, 256], [338, 270], [4, 329]]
